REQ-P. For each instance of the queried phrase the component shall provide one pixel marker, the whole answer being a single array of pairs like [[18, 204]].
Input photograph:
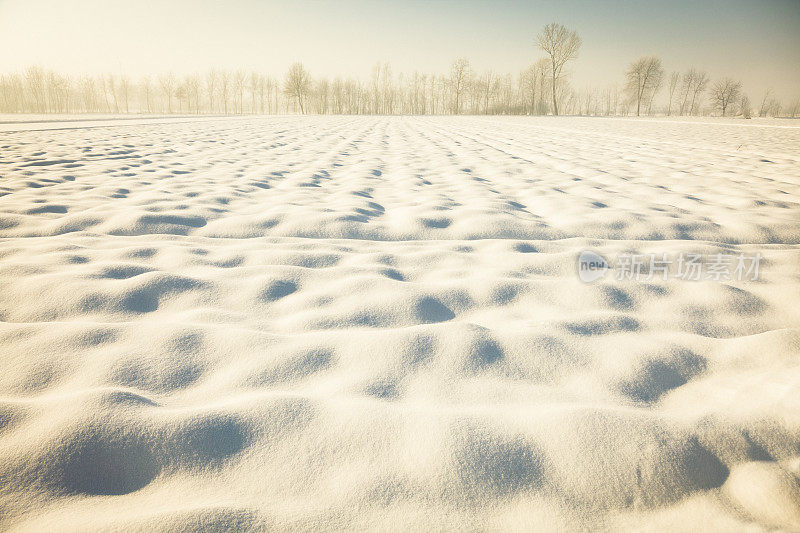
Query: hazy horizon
[[757, 43]]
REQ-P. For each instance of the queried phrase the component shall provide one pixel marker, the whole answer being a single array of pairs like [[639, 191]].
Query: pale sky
[[757, 42]]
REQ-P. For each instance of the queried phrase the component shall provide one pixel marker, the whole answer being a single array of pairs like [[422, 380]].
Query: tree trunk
[[555, 105]]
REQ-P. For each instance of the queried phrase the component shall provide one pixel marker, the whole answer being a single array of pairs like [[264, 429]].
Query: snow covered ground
[[378, 323]]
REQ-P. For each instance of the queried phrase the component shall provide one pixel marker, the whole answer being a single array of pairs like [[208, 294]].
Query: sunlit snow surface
[[377, 323]]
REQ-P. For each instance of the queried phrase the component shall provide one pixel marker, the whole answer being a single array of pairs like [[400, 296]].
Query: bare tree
[[486, 88], [505, 92], [744, 107], [794, 108], [147, 91], [762, 111], [125, 89], [643, 77], [673, 85], [376, 88], [432, 95], [254, 86], [321, 91], [459, 76], [13, 93], [337, 96], [658, 82], [687, 83], [211, 88], [112, 87], [270, 86], [239, 82], [167, 83], [89, 94], [181, 95], [275, 92], [297, 84], [615, 100], [700, 82], [387, 91], [541, 68], [475, 94], [529, 81], [35, 78], [193, 88], [58, 92], [724, 93], [263, 93], [224, 88], [561, 45], [417, 100], [104, 87], [693, 83]]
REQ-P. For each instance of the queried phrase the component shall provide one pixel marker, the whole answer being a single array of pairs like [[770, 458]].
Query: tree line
[[542, 88]]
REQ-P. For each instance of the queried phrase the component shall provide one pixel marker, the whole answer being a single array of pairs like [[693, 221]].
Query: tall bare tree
[[35, 77], [487, 84], [167, 83], [193, 84], [387, 91], [657, 84], [673, 85], [762, 110], [643, 77], [794, 108], [263, 93], [322, 95], [562, 45], [112, 87], [104, 87], [459, 76], [254, 84], [224, 88], [125, 89], [211, 88], [529, 81], [376, 88], [147, 92], [700, 83], [297, 84], [693, 84], [687, 83], [89, 94], [271, 88], [745, 108], [724, 93], [239, 82]]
